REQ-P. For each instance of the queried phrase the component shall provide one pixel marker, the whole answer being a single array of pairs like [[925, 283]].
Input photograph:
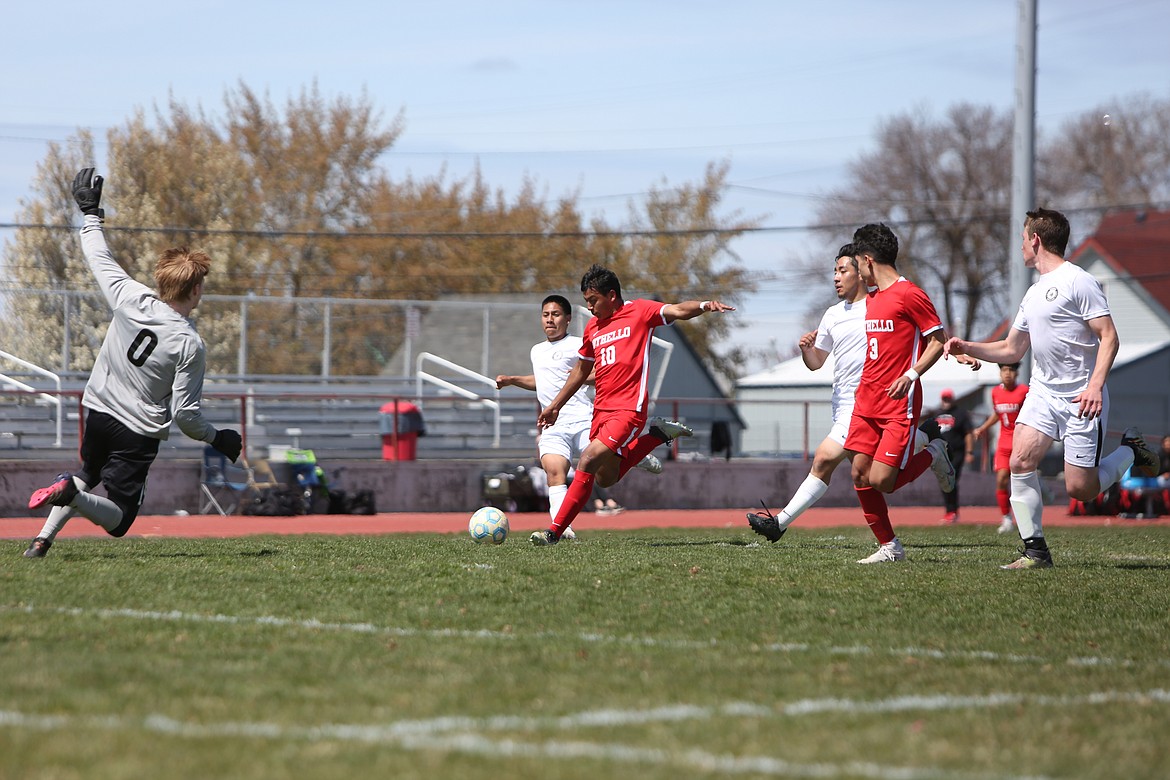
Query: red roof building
[[1129, 253], [1135, 247]]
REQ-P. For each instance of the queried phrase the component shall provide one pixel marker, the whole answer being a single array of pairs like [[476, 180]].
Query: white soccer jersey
[[1054, 313], [842, 333], [151, 362], [551, 363]]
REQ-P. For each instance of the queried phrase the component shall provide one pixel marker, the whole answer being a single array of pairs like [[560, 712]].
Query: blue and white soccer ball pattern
[[488, 526]]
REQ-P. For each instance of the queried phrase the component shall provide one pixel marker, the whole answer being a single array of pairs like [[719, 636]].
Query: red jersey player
[[616, 348], [1006, 400], [904, 338]]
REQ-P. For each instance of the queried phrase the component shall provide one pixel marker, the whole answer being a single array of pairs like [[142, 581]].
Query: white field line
[[312, 624], [472, 735], [480, 745]]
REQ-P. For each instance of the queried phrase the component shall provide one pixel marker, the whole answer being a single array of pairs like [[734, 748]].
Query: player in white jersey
[[841, 333], [1064, 317], [552, 360], [149, 368]]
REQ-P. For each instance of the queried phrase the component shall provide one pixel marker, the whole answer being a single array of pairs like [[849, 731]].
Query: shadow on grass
[[264, 552], [1132, 566], [954, 545], [704, 543], [181, 554]]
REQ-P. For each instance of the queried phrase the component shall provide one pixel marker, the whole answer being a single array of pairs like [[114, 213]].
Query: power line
[[409, 234], [475, 235]]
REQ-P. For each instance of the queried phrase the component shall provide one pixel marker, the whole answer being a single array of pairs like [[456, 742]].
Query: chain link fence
[[250, 335]]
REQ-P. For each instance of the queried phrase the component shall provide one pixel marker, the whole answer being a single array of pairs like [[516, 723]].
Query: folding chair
[[222, 483], [308, 475], [1139, 496]]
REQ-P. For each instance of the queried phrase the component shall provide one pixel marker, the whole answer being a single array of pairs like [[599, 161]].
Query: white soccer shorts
[[568, 441], [841, 416], [1056, 417]]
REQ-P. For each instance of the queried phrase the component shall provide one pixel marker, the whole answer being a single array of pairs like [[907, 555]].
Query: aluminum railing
[[422, 376], [55, 400]]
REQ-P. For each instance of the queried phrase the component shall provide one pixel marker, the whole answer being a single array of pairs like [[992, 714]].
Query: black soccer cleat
[[39, 548], [1145, 462], [766, 525]]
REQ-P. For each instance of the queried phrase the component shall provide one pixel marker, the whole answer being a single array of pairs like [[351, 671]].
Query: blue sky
[[605, 98]]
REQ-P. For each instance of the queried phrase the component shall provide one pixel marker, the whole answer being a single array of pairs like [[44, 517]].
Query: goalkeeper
[[149, 368]]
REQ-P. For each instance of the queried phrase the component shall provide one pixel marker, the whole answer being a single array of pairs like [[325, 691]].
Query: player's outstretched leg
[[639, 455]]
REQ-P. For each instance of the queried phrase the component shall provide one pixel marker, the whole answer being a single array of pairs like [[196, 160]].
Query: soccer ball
[[488, 526]]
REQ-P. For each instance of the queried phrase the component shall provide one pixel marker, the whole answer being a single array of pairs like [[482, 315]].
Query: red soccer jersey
[[897, 319], [1007, 405], [620, 349]]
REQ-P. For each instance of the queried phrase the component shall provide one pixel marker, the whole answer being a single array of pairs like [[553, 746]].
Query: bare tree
[[1109, 158], [944, 187], [687, 250], [676, 245], [292, 202], [248, 190], [45, 259]]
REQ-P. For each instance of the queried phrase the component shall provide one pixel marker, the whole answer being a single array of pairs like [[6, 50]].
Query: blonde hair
[[178, 272]]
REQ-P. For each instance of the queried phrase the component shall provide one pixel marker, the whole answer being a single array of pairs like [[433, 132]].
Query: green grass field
[[656, 654]]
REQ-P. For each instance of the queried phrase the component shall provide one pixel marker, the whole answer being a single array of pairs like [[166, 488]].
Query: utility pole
[[1023, 159]]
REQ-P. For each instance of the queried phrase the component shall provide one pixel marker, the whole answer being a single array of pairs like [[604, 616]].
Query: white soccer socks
[[1113, 466], [556, 497], [809, 492], [1027, 505]]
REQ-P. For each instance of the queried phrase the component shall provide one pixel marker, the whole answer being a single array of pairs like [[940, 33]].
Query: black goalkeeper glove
[[228, 442], [87, 191]]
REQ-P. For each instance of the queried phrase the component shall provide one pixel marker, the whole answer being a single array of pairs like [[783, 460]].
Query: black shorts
[[120, 458]]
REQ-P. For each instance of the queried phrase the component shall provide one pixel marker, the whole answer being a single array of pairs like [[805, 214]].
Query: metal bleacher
[[465, 417], [26, 425], [346, 422], [336, 418]]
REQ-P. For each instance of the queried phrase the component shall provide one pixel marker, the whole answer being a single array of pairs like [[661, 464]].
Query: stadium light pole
[[1023, 159]]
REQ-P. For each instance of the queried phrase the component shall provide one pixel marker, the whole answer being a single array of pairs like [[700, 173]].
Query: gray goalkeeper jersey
[[151, 362]]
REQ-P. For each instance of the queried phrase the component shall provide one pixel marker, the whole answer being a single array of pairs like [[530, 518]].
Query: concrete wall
[[455, 486]]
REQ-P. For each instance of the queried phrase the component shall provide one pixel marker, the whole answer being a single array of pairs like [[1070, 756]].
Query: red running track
[[215, 526]]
